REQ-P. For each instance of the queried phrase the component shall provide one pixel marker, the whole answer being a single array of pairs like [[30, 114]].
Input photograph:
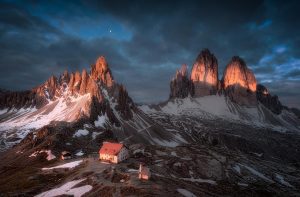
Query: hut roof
[[111, 148]]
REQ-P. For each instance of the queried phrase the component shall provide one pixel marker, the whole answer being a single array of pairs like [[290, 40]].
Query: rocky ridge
[[269, 101], [70, 86], [238, 82]]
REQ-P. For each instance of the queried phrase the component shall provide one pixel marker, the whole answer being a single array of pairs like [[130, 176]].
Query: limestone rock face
[[269, 101], [204, 75], [71, 81], [100, 71], [84, 82], [99, 84], [124, 103], [239, 82], [77, 82], [94, 89], [46, 91], [180, 85], [17, 99], [51, 86], [64, 78]]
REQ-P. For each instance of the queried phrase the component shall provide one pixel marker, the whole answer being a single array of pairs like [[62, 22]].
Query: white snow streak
[[186, 193], [282, 181], [101, 121], [199, 180], [67, 189], [66, 165], [81, 132]]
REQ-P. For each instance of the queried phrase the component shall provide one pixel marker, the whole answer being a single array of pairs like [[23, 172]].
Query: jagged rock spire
[[239, 82], [100, 71], [180, 84], [237, 72], [204, 75]]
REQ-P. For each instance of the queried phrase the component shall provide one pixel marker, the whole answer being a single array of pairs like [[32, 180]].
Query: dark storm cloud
[[149, 41], [293, 74]]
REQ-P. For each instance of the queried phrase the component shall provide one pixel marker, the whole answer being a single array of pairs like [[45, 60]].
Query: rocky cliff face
[[204, 75], [100, 71], [269, 101], [180, 85], [99, 85], [239, 82]]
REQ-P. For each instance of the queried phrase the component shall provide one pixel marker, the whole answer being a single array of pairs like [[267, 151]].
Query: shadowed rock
[[180, 85], [269, 101], [204, 75], [239, 82]]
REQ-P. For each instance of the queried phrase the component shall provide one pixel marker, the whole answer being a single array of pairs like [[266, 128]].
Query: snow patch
[[3, 111], [162, 142], [214, 105], [282, 181], [237, 168], [138, 151], [66, 165], [199, 180], [87, 126], [62, 109], [95, 134], [100, 121], [146, 109], [132, 170], [255, 172], [243, 184], [81, 132], [258, 154], [177, 164], [219, 106], [50, 156], [67, 189], [79, 153], [186, 193]]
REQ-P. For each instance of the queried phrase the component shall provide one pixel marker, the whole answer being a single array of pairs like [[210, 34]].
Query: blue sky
[[145, 42]]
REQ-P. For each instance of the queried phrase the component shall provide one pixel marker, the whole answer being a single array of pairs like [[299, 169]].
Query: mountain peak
[[101, 64], [100, 71], [207, 58], [237, 72], [182, 71], [180, 84], [238, 60], [204, 75], [239, 82]]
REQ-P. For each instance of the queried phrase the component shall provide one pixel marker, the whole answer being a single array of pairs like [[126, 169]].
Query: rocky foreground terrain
[[212, 137], [225, 162]]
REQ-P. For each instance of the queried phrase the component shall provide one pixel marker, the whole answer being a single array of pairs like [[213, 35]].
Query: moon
[[110, 31]]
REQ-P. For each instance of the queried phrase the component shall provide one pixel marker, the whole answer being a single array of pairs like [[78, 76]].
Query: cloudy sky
[[145, 42]]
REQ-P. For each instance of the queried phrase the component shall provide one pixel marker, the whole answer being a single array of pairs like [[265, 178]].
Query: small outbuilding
[[66, 155], [113, 152], [144, 173]]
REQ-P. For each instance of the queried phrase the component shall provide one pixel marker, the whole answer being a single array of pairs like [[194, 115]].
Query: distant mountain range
[[86, 96]]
